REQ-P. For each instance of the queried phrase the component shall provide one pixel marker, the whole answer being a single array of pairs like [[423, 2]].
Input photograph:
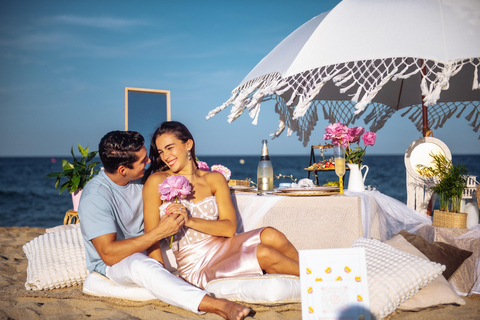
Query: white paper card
[[334, 284]]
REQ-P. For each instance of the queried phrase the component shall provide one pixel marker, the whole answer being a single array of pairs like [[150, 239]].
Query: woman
[[206, 247]]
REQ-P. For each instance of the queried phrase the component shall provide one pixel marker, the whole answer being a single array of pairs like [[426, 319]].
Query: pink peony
[[223, 170], [369, 138], [174, 187], [355, 134], [202, 165], [338, 133]]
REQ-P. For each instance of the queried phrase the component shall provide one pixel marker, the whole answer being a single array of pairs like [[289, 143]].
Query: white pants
[[139, 270]]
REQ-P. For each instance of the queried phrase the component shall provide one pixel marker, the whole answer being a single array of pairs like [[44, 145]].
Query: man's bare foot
[[227, 309]]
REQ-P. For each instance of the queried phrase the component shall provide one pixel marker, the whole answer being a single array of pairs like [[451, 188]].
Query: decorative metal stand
[[322, 148]]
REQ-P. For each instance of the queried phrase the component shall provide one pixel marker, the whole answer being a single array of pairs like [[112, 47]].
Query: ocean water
[[28, 198]]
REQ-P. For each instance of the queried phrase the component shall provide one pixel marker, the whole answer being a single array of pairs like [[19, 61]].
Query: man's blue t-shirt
[[106, 207]]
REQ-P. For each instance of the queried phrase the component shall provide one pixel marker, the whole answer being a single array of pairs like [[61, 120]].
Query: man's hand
[[169, 224], [178, 208]]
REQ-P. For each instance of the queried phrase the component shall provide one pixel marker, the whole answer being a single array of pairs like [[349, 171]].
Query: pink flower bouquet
[[342, 135], [174, 187]]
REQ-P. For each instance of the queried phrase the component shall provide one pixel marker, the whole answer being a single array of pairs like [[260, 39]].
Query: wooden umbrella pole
[[425, 128], [426, 132]]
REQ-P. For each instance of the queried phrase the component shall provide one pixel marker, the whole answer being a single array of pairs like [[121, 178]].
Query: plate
[[306, 193], [308, 190], [241, 188]]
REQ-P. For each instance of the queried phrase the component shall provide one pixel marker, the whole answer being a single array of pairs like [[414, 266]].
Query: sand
[[70, 303]]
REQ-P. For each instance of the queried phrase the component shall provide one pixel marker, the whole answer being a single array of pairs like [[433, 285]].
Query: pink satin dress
[[202, 257]]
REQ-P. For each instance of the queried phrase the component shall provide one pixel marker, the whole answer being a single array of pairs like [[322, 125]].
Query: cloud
[[35, 40], [109, 23], [67, 43]]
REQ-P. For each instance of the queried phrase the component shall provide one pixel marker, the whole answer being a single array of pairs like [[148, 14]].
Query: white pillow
[[56, 260], [393, 275], [62, 227], [98, 285], [266, 289]]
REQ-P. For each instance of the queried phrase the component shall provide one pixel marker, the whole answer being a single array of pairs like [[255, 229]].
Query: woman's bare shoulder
[[156, 178], [216, 181], [214, 177]]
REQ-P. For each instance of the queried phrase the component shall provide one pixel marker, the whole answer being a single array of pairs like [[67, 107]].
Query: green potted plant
[[77, 173], [458, 180], [441, 170], [451, 181]]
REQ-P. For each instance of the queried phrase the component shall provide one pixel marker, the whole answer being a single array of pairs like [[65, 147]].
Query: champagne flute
[[339, 156]]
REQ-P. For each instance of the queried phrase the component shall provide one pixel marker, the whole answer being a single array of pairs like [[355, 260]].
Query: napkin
[[304, 183]]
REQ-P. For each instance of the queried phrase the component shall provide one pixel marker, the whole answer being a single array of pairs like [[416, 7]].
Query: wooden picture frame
[[145, 110]]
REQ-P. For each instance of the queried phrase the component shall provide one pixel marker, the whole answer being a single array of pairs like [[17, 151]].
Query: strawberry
[[329, 164]]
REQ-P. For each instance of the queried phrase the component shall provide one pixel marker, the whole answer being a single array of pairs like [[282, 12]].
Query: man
[[111, 215]]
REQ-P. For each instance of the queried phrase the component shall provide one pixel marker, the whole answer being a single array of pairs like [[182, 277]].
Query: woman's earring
[[189, 155]]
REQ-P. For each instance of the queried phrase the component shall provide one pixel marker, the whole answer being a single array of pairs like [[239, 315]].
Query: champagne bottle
[[264, 171]]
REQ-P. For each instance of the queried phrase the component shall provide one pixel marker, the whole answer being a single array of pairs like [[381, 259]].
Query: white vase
[[355, 178], [76, 199], [469, 206]]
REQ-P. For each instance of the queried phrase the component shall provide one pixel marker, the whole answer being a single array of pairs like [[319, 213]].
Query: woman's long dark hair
[[181, 132]]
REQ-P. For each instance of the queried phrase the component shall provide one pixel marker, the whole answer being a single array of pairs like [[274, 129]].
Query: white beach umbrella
[[371, 55]]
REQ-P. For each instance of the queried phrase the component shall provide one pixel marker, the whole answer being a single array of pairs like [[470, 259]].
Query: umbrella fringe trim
[[369, 77]]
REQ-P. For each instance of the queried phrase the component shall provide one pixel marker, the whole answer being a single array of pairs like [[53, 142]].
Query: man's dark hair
[[119, 148]]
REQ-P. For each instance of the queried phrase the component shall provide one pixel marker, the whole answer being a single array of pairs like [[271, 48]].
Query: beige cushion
[[437, 292]]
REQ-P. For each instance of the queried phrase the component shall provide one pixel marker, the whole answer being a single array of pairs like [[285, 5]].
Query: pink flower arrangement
[[223, 170], [202, 165], [174, 187], [216, 167], [342, 135]]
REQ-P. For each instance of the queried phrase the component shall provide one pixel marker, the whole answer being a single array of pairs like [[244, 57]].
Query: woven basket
[[449, 219], [478, 195]]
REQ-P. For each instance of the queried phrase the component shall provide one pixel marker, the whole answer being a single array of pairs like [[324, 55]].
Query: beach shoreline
[[70, 303]]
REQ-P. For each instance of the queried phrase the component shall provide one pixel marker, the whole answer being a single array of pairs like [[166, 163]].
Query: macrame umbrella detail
[[371, 58]]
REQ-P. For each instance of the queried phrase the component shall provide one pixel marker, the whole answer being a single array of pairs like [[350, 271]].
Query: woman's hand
[[179, 209]]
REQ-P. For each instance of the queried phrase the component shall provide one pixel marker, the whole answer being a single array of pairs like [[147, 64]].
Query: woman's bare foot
[[227, 309]]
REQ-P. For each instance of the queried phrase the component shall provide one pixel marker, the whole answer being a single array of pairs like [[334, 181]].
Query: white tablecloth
[[316, 222]]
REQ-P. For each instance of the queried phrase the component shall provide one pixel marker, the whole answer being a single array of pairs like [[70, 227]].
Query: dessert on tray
[[327, 164], [237, 183]]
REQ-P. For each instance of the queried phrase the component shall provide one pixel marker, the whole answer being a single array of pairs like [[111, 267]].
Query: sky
[[64, 66]]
